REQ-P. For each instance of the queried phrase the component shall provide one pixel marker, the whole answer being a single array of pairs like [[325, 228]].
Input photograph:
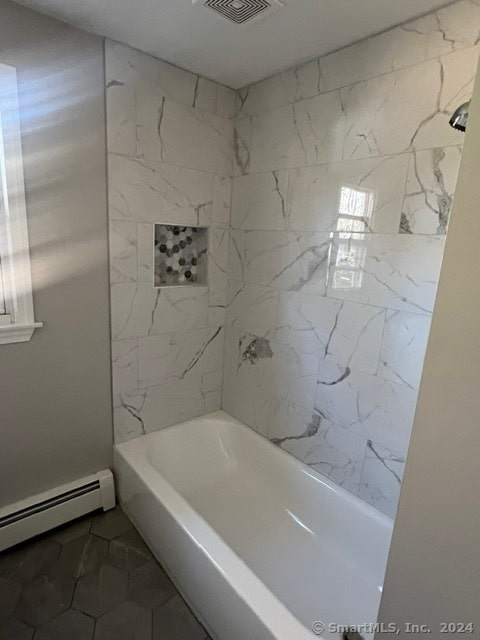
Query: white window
[[17, 321]]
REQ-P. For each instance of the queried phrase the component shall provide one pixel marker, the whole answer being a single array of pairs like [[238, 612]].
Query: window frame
[[19, 323]]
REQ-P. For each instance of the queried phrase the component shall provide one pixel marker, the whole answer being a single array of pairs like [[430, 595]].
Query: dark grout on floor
[[93, 579]]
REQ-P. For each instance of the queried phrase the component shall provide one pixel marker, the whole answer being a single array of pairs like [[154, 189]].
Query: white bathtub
[[260, 546]]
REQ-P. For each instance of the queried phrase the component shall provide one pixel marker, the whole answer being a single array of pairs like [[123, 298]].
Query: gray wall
[[434, 564], [55, 391]]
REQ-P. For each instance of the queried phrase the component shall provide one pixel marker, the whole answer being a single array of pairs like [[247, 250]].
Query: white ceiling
[[201, 41]]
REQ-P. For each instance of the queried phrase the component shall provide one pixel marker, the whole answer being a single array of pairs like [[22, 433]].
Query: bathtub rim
[[289, 458]]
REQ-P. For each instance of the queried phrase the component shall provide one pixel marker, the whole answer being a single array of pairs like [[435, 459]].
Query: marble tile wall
[[170, 144], [344, 172]]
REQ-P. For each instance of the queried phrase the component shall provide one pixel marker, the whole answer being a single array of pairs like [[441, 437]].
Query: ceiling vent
[[242, 11]]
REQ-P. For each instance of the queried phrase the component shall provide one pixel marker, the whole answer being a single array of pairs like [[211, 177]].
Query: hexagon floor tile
[[69, 625], [100, 590], [93, 579]]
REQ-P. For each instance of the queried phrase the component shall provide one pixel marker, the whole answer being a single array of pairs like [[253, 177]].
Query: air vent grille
[[242, 11]]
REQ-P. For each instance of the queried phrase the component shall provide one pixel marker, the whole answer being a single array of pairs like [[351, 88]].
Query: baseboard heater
[[50, 509]]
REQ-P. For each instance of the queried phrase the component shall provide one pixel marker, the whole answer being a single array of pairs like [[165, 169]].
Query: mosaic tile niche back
[[180, 255]]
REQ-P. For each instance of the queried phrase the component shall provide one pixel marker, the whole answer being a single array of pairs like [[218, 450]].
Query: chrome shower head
[[460, 117]]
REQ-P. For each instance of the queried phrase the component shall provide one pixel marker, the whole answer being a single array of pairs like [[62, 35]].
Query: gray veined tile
[[382, 478], [123, 251], [367, 405], [431, 182], [403, 347], [46, 596], [322, 197], [152, 191], [83, 554], [330, 450], [9, 594], [182, 136], [111, 524], [259, 201], [295, 261], [16, 630], [129, 551], [149, 586], [24, 562], [175, 621], [101, 590], [69, 624], [393, 271], [124, 366], [127, 621], [242, 142]]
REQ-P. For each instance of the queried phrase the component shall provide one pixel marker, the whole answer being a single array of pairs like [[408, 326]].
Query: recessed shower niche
[[181, 255]]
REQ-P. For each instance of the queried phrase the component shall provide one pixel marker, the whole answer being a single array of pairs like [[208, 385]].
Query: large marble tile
[[393, 271], [247, 378], [214, 98], [382, 478], [331, 450], [292, 383], [394, 113], [222, 196], [177, 356], [242, 142], [312, 132], [287, 260], [141, 71], [162, 405], [403, 347], [259, 201], [121, 118], [309, 79], [143, 191], [218, 246], [123, 251], [450, 28], [367, 405], [271, 93], [140, 310], [127, 416], [361, 195], [432, 177], [389, 51], [251, 308], [349, 332], [124, 365], [236, 254], [183, 136]]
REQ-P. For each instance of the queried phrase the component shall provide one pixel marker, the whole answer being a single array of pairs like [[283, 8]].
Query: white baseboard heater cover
[[28, 518]]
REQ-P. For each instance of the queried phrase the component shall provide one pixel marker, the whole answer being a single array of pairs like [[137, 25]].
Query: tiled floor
[[94, 579]]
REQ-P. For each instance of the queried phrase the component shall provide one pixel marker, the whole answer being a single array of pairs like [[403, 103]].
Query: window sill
[[18, 332]]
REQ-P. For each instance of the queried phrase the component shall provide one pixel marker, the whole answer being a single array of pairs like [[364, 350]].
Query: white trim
[[17, 332], [14, 246]]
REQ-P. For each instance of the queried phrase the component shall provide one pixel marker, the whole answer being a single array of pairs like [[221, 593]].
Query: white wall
[[434, 566]]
